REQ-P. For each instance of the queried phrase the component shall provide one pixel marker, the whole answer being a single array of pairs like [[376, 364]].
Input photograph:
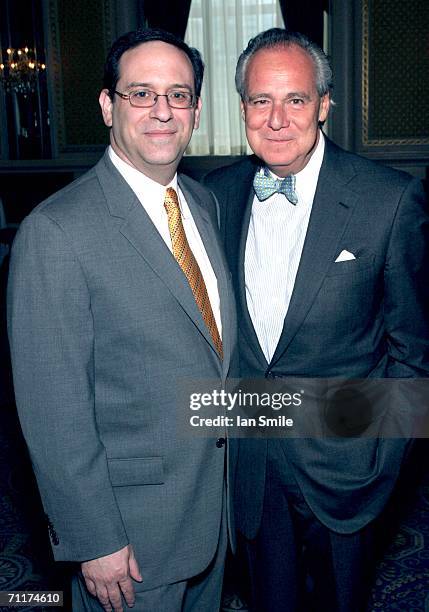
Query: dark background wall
[[379, 50], [380, 55]]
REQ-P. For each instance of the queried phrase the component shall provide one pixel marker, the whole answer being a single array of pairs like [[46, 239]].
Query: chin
[[279, 153], [163, 158], [277, 161]]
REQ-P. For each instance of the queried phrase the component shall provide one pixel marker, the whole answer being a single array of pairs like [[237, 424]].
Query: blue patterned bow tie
[[265, 185]]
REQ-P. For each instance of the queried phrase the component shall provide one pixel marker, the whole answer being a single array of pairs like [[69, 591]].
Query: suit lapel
[[143, 235], [206, 228], [138, 229], [332, 208], [246, 322], [237, 221]]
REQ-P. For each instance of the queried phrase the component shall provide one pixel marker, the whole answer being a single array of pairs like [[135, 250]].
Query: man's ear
[[325, 104], [243, 112], [197, 114], [106, 104]]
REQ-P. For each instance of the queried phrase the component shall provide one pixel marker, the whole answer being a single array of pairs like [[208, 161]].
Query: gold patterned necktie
[[186, 260]]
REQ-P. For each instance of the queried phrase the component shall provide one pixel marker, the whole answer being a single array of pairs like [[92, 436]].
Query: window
[[221, 29]]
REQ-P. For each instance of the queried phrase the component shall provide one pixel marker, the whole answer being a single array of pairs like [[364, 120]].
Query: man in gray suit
[[329, 258], [105, 320]]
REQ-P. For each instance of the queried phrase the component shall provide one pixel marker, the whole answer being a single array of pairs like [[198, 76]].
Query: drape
[[305, 16], [168, 15], [221, 29]]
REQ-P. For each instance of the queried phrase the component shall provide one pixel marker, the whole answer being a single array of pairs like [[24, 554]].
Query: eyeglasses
[[145, 98]]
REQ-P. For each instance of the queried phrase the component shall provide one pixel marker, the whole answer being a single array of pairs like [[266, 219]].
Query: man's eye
[[296, 101], [178, 95], [142, 93], [260, 102]]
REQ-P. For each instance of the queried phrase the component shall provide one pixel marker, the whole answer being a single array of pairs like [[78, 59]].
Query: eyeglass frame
[[128, 97]]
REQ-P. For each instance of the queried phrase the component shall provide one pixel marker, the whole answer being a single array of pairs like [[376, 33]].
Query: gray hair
[[278, 37]]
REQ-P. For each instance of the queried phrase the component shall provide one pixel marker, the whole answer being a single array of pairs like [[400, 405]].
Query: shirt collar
[[306, 179], [143, 186]]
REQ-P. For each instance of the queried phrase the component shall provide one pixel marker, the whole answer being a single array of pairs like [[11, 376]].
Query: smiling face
[[153, 139], [282, 108]]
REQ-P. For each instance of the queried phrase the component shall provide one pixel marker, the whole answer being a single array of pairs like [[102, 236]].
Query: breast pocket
[[361, 266], [351, 289], [136, 471]]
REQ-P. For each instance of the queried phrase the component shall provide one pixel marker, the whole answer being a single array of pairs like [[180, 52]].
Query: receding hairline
[[162, 42], [279, 45], [278, 39], [157, 42]]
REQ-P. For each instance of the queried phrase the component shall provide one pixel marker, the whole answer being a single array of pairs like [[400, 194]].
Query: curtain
[[170, 16], [221, 29], [305, 16]]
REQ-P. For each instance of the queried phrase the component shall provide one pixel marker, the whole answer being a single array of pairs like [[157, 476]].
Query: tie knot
[[265, 185], [171, 201]]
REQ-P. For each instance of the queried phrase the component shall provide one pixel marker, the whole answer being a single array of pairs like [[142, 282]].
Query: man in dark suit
[[329, 258], [118, 292]]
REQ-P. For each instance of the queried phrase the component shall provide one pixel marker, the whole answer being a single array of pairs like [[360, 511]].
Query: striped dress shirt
[[274, 246]]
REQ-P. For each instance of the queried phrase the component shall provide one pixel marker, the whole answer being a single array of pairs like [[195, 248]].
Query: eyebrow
[[299, 94], [150, 85], [292, 94]]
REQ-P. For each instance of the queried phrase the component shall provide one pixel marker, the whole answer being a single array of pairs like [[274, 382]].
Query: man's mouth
[[159, 133], [279, 140]]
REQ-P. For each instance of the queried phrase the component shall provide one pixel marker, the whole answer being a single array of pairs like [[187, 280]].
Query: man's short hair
[[138, 37], [278, 37]]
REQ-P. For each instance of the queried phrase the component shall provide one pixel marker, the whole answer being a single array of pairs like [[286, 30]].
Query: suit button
[[270, 374], [220, 442], [52, 533]]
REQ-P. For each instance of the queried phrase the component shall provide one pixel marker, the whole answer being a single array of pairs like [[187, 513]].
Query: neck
[[160, 173]]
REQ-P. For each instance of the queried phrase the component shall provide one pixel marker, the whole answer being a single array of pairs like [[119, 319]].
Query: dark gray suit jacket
[[368, 317], [103, 327]]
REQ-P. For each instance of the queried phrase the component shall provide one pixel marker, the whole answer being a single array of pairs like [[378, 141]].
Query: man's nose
[[279, 117], [161, 110]]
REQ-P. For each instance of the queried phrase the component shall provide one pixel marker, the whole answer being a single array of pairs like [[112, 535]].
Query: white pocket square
[[345, 256]]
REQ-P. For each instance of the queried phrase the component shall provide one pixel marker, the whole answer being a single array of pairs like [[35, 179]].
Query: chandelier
[[20, 72]]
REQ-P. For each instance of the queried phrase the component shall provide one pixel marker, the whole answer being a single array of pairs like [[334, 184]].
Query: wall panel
[[80, 34], [395, 74]]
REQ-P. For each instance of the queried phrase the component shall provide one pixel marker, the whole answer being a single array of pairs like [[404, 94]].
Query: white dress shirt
[[151, 196], [274, 246]]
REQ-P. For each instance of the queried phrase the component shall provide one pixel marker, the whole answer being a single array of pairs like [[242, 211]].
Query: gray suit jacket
[[368, 317], [103, 327]]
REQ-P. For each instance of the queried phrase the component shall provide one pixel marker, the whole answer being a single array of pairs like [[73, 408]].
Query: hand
[[106, 577]]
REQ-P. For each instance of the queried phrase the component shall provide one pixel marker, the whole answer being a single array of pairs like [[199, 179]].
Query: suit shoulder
[[386, 188], [203, 196], [373, 169], [189, 183], [385, 185], [230, 174], [201, 192], [73, 199]]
